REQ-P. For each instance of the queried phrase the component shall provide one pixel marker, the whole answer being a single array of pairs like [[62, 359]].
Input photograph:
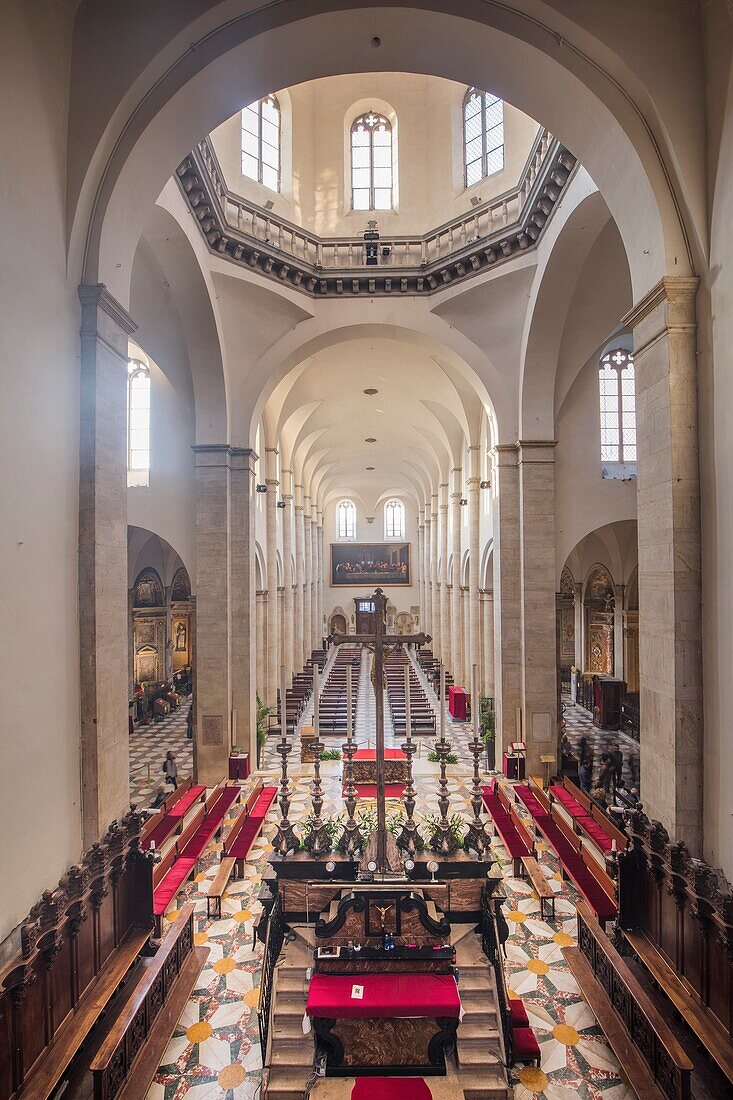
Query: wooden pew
[[165, 808], [540, 885], [650, 1056], [128, 1059], [699, 1020], [218, 886]]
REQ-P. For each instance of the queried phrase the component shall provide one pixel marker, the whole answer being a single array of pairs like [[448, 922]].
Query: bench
[[243, 835], [218, 886], [68, 970], [540, 885], [650, 1055], [126, 1063], [511, 830], [707, 1029]]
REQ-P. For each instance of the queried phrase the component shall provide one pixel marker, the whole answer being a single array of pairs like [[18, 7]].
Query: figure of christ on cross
[[377, 643]]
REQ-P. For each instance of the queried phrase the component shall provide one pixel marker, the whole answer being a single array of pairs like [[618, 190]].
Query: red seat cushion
[[171, 884], [518, 1013], [186, 801], [526, 1047]]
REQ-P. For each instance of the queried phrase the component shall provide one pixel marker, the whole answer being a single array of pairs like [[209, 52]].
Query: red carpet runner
[[390, 1088]]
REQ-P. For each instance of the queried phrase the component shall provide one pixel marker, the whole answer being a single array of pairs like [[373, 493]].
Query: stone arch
[[540, 64]]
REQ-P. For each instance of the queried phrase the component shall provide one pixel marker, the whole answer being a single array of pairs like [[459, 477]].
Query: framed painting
[[372, 564]]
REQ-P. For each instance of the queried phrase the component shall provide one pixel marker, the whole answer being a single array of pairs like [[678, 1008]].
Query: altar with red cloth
[[457, 702], [364, 767], [401, 1022]]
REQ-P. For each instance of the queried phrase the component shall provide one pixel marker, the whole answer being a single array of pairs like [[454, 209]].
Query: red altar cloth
[[239, 767], [385, 995], [371, 754], [457, 702]]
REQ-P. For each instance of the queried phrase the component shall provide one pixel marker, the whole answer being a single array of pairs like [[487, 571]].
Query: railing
[[630, 716], [274, 939], [487, 234], [491, 946]]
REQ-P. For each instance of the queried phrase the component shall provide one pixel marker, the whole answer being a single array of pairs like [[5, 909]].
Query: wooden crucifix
[[377, 642]]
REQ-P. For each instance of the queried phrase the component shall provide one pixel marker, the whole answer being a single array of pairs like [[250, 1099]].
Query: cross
[[378, 640]]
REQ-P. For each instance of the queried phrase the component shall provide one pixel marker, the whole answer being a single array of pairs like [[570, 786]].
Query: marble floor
[[579, 723], [214, 1052], [148, 746]]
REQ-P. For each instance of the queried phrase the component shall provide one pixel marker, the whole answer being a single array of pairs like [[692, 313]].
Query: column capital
[[536, 450], [95, 296], [505, 454], [670, 306]]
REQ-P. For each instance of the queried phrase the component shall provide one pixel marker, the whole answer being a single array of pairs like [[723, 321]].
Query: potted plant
[[487, 727], [263, 713]]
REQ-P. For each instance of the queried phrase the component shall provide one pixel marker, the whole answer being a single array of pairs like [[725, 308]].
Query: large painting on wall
[[370, 564]]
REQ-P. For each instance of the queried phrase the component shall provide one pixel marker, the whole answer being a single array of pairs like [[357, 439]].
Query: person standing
[[605, 777], [617, 759], [585, 775], [170, 768]]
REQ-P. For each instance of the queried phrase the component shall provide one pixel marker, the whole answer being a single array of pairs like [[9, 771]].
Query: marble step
[[286, 1084], [290, 1004], [289, 982], [489, 1084], [288, 1027], [471, 1031], [479, 1052], [474, 978], [287, 1052]]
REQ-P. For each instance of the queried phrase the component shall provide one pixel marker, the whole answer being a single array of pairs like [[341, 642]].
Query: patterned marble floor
[[579, 723], [148, 746]]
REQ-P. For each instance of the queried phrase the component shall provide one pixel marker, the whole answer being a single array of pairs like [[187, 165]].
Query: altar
[[364, 767]]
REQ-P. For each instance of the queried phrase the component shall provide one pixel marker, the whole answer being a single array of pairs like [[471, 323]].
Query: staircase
[[291, 1052], [479, 1048]]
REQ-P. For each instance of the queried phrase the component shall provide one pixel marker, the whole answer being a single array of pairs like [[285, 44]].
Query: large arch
[[587, 83]]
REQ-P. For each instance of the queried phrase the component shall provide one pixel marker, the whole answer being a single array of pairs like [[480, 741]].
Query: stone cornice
[[95, 296], [205, 194], [676, 290]]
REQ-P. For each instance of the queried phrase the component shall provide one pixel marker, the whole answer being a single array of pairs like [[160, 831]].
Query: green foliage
[[330, 754], [263, 713], [487, 720], [394, 826], [456, 827], [333, 826], [450, 758]]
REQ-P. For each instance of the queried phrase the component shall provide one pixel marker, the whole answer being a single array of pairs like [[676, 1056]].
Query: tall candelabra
[[409, 839], [286, 840], [476, 837], [443, 840], [317, 840], [351, 840]]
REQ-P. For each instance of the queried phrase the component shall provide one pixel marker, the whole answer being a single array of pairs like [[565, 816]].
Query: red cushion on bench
[[161, 832], [171, 884], [186, 801], [518, 1013], [524, 1042]]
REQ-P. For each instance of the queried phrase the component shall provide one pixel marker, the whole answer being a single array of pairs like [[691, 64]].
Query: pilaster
[[273, 638], [299, 640], [474, 566], [103, 645], [445, 635], [288, 594], [507, 625], [243, 600], [456, 632]]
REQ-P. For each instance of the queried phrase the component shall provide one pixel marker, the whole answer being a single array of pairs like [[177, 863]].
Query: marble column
[[668, 493], [299, 637], [319, 579], [103, 643], [212, 670], [261, 643], [288, 594], [474, 652], [538, 600], [273, 642], [308, 579], [487, 636], [456, 633], [445, 648], [243, 595], [579, 626], [435, 576], [507, 659], [427, 546], [419, 564], [618, 631]]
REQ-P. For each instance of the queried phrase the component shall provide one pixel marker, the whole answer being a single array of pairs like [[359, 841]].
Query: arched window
[[483, 135], [618, 406], [394, 519], [138, 423], [261, 142], [346, 520], [371, 162]]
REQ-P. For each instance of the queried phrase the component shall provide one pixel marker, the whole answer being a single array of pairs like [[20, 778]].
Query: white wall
[[316, 119], [404, 597], [40, 816], [167, 505]]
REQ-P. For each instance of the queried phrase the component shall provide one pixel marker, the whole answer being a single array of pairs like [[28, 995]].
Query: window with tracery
[[346, 519], [618, 406], [394, 519], [261, 142], [371, 163], [483, 135], [138, 423]]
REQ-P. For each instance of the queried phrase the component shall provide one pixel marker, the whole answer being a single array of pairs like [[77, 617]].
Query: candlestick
[[351, 840], [443, 840], [317, 841], [286, 839], [409, 839], [476, 837]]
